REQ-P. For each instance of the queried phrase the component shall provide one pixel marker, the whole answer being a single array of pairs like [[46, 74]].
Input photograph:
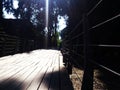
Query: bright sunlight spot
[[47, 13], [62, 22], [9, 15], [15, 4]]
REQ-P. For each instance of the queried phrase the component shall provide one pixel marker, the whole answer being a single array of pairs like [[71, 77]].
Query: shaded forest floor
[[102, 80]]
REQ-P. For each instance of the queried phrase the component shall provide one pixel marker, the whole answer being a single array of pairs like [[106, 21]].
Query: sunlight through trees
[[37, 13]]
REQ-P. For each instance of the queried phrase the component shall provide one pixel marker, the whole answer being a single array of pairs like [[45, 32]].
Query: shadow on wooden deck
[[56, 81], [11, 85]]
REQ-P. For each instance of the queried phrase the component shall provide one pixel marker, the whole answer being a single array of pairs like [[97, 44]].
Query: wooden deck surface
[[36, 70]]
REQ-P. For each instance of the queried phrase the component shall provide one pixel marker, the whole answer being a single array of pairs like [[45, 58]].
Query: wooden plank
[[24, 76], [46, 79], [38, 70], [9, 66], [12, 69], [37, 80], [33, 77], [54, 83]]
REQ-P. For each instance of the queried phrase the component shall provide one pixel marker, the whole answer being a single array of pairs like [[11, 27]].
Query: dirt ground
[[77, 75]]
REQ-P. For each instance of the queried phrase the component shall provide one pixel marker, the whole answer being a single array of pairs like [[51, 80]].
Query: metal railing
[[73, 46]]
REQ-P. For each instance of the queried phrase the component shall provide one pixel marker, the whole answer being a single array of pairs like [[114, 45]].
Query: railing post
[[87, 83]]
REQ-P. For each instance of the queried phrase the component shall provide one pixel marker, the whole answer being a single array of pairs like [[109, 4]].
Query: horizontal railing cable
[[97, 45], [104, 22], [78, 54], [104, 67], [76, 36], [103, 45], [94, 7], [87, 14], [74, 29], [78, 45], [82, 19], [92, 28], [96, 26], [78, 65], [75, 53]]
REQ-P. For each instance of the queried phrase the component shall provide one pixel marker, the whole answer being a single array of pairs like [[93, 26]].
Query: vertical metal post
[[87, 83]]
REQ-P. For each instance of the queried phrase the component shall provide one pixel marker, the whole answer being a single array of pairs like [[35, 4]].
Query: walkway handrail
[[106, 68], [94, 7], [93, 27], [82, 38]]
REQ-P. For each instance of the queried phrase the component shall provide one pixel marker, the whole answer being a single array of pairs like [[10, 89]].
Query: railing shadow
[[56, 81], [11, 85]]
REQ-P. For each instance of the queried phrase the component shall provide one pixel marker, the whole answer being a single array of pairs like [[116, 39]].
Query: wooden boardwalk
[[36, 70]]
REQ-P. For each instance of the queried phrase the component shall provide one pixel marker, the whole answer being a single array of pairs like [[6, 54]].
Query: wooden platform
[[36, 70]]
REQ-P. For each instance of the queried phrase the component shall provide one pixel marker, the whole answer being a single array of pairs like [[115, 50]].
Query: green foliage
[[58, 39]]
